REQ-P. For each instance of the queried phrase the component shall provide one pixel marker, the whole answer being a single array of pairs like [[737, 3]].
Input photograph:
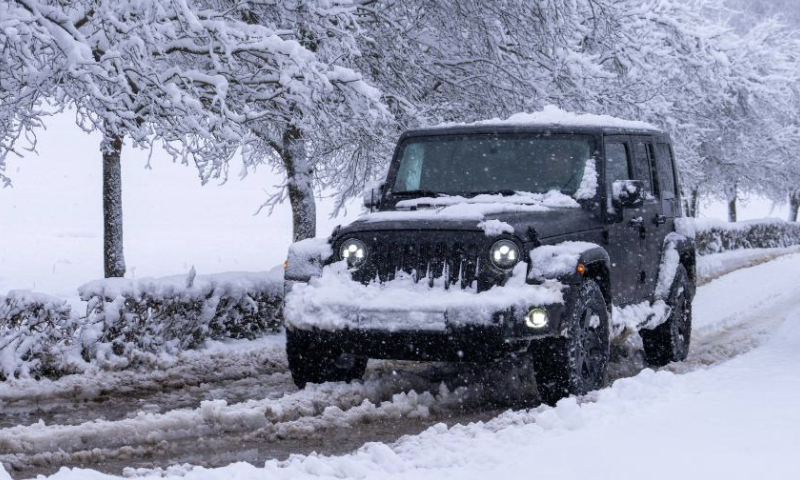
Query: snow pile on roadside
[[551, 115], [299, 414], [553, 261], [335, 301], [715, 265], [215, 361], [36, 334], [177, 313], [477, 208]]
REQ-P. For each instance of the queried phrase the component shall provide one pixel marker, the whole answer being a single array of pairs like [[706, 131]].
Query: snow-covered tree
[[208, 77]]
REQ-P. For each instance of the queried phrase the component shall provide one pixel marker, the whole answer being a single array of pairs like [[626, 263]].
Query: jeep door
[[657, 211], [625, 241]]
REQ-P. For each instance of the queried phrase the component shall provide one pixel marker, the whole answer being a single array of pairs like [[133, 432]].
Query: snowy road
[[716, 414]]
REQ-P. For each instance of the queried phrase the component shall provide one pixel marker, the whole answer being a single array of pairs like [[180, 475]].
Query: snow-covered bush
[[36, 334], [177, 313], [128, 319], [713, 236]]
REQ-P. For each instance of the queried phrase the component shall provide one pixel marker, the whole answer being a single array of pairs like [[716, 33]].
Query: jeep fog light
[[536, 318]]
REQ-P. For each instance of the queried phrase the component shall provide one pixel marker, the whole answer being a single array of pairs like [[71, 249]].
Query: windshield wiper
[[416, 193], [505, 193]]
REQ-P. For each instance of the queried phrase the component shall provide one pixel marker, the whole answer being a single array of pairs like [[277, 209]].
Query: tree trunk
[[692, 204], [114, 258], [794, 205], [300, 176], [695, 203], [730, 194]]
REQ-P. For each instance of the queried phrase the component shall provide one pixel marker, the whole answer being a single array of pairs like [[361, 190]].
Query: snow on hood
[[551, 115], [475, 208]]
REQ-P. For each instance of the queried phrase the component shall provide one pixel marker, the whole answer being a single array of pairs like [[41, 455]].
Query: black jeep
[[503, 239]]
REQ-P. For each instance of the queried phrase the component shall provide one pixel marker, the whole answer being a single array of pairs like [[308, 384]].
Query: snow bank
[[177, 313], [715, 265], [551, 115], [715, 236], [334, 301]]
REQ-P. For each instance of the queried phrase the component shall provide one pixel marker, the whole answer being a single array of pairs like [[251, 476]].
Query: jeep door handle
[[660, 219]]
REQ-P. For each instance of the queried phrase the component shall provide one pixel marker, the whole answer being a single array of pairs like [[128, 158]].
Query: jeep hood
[[548, 214]]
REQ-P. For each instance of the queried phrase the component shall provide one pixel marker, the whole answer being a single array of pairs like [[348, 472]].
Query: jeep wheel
[[669, 342], [576, 363], [313, 360]]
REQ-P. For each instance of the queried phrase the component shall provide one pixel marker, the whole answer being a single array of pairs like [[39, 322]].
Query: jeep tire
[[314, 360], [575, 363], [669, 342]]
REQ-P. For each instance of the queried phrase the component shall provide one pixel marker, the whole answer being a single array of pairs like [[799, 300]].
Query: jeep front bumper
[[405, 320]]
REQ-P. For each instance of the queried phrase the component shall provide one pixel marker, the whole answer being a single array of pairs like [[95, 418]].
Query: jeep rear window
[[465, 164]]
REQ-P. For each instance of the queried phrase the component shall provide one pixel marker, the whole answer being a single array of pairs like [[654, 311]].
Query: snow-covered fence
[[37, 334], [713, 236], [177, 313]]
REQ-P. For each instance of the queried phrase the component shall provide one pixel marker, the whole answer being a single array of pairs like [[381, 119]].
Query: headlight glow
[[536, 318], [504, 254], [354, 252]]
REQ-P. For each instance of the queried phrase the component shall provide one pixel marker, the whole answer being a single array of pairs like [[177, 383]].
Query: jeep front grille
[[440, 263]]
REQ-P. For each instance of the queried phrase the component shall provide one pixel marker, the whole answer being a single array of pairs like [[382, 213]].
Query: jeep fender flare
[[593, 257], [677, 250], [598, 268]]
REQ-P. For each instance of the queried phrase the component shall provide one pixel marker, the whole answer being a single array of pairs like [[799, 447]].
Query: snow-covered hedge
[[37, 333], [713, 236], [177, 313], [128, 320]]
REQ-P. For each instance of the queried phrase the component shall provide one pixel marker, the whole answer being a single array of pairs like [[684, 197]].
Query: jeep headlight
[[504, 254], [354, 252]]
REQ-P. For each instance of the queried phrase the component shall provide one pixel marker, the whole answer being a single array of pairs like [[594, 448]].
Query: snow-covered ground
[[728, 411]]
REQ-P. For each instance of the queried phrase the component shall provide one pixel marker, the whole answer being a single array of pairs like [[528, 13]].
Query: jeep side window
[[665, 171], [617, 166], [642, 166]]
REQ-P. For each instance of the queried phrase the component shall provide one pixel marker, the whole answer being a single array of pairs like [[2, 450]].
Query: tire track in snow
[[234, 373]]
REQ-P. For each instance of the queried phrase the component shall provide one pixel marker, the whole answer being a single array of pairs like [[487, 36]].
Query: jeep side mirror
[[372, 195], [627, 194]]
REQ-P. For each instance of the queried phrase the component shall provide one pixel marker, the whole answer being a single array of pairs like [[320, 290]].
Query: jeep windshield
[[491, 163]]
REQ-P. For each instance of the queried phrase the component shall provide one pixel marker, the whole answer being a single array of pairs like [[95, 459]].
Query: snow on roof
[[551, 115]]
